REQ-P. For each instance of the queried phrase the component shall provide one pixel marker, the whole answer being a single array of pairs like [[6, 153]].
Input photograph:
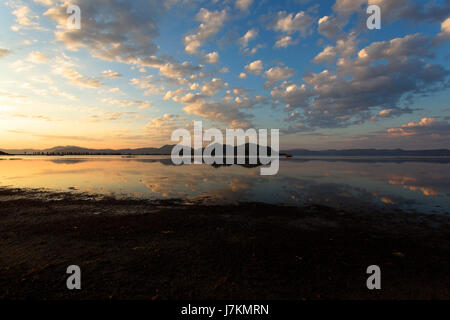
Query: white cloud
[[445, 31], [212, 58], [248, 36], [37, 57], [212, 87], [289, 23], [129, 103], [65, 68], [327, 55], [285, 42], [110, 74], [277, 74], [211, 23], [256, 67], [243, 5], [25, 18], [148, 85]]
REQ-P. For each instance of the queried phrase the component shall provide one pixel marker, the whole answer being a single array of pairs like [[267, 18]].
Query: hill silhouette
[[167, 150]]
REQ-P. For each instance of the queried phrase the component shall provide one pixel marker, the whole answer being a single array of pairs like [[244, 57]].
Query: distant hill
[[167, 150], [3, 153], [372, 153], [75, 150]]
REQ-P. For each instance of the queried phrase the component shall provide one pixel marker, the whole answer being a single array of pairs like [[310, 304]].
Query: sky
[[137, 70]]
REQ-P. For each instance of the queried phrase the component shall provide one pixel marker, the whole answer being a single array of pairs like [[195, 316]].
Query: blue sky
[[136, 71]]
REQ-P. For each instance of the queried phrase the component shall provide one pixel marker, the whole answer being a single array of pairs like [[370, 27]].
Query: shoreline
[[169, 249]]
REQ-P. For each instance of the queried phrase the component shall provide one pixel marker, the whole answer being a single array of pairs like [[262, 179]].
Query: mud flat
[[172, 249]]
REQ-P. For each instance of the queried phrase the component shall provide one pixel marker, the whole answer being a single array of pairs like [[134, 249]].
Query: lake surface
[[420, 184]]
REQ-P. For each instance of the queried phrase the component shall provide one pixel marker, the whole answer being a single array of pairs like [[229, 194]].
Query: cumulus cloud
[[380, 75], [289, 23], [248, 36], [243, 5], [148, 85], [212, 87], [110, 74], [392, 10], [212, 58], [229, 113], [178, 71], [445, 31], [285, 42], [211, 23], [426, 126], [330, 26], [327, 55], [116, 30], [276, 74], [256, 67]]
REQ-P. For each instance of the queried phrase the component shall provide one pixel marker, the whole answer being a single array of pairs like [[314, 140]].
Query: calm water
[[351, 183]]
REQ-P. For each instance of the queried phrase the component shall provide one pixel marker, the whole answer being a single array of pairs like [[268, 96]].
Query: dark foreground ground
[[135, 249]]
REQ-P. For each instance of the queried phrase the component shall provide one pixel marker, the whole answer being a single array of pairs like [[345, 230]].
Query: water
[[416, 185]]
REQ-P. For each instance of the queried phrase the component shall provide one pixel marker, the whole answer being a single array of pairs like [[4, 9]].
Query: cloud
[[110, 74], [4, 52], [45, 2], [228, 113], [256, 67], [327, 55], [330, 26], [129, 103], [381, 76], [160, 129], [392, 10], [426, 126], [212, 87], [21, 66], [175, 94], [116, 30], [212, 58], [247, 37], [147, 84], [293, 95], [30, 116], [176, 71], [289, 23], [285, 42], [445, 31], [211, 23], [65, 69], [37, 57], [25, 17], [243, 5], [277, 74]]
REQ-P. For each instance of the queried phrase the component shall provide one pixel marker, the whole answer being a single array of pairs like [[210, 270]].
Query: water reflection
[[409, 185]]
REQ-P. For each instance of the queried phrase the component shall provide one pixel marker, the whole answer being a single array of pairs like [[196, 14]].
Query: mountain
[[75, 150], [3, 153], [372, 153]]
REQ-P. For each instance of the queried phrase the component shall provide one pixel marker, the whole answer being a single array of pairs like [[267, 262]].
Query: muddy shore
[[138, 249]]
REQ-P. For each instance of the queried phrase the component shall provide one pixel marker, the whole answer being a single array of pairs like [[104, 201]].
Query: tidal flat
[[175, 249]]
